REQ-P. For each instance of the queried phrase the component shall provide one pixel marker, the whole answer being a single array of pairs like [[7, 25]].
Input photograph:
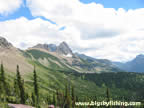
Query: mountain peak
[[64, 49], [64, 44], [4, 43]]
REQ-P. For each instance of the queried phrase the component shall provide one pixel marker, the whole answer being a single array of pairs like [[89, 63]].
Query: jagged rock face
[[64, 49], [49, 47], [4, 43]]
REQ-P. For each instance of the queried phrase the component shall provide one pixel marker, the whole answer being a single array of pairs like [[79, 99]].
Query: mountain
[[63, 57], [62, 49], [90, 77], [135, 65], [91, 59], [59, 57], [49, 47], [99, 63], [12, 56], [54, 68], [4, 43]]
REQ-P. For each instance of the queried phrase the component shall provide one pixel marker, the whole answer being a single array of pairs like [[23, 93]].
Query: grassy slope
[[53, 77]]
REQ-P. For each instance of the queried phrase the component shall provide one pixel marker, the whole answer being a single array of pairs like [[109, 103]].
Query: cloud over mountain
[[88, 28]]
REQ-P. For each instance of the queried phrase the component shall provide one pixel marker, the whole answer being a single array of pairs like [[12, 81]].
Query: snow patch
[[68, 55]]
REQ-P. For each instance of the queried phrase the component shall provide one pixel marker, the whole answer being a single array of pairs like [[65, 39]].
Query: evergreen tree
[[48, 100], [2, 74], [77, 99], [68, 101], [36, 91], [33, 99], [66, 91], [54, 100], [58, 97], [16, 91], [1, 91], [20, 84], [73, 97], [4, 89], [108, 95], [22, 93]]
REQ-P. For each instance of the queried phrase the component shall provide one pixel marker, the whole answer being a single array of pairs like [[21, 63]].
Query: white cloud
[[25, 33], [90, 28], [8, 6]]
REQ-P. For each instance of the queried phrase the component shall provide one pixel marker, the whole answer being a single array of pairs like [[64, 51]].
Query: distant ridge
[[135, 65]]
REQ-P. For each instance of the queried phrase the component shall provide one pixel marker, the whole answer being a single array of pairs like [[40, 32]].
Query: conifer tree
[[4, 89], [54, 99], [77, 99], [73, 97], [108, 95], [68, 101], [66, 91], [58, 97], [16, 91], [48, 100], [22, 93], [73, 94], [2, 74], [33, 99], [21, 86], [36, 91], [1, 90]]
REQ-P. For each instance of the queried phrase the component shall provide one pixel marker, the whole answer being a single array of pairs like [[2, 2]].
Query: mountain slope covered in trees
[[39, 77]]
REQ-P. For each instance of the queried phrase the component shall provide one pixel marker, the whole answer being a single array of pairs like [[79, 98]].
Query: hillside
[[63, 56], [54, 67], [51, 56], [12, 56], [90, 77]]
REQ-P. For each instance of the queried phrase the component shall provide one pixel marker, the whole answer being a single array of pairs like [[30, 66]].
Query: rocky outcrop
[[62, 49], [4, 43]]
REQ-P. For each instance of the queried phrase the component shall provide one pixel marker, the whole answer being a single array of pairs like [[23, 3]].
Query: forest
[[13, 90]]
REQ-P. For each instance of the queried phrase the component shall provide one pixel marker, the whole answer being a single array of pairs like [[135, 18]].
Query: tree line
[[16, 93]]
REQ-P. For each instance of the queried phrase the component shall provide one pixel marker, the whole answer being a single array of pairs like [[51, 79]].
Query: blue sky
[[126, 4], [23, 11], [101, 31]]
